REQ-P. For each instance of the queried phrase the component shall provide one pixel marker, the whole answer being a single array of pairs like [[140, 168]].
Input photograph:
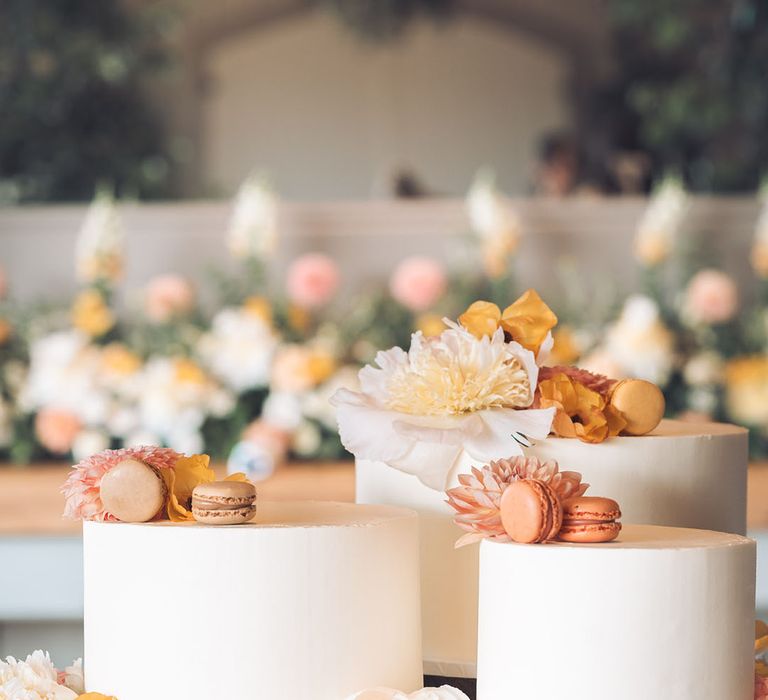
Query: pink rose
[[57, 429], [168, 296], [711, 297], [312, 280], [418, 282]]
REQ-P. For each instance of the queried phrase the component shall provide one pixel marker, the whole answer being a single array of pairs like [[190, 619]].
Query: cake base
[[661, 613], [310, 601]]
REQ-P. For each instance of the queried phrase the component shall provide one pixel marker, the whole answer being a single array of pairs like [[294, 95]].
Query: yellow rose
[[91, 315]]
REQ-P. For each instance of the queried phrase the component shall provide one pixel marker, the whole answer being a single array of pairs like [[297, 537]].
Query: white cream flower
[[418, 410], [98, 252], [32, 679], [239, 349], [661, 222], [253, 226], [639, 342], [73, 676], [444, 692]]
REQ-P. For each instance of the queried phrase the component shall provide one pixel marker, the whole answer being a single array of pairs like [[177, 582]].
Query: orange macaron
[[530, 511], [590, 519]]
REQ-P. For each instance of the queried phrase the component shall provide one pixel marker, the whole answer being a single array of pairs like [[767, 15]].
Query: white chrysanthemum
[[32, 679], [239, 349], [98, 252], [419, 410], [253, 226], [444, 692], [661, 222], [450, 374]]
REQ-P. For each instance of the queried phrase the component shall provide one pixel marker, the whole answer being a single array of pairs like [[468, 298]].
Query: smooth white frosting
[[663, 613], [682, 474], [311, 601]]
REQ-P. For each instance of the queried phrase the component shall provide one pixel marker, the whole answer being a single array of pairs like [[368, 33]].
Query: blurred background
[[211, 215]]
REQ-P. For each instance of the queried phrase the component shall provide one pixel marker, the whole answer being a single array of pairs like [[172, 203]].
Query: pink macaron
[[530, 511], [590, 519]]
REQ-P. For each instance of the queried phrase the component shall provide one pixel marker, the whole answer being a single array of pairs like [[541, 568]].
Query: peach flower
[[711, 297], [312, 280], [418, 282], [168, 296], [81, 489], [57, 429]]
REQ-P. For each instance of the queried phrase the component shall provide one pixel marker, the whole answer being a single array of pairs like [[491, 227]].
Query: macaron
[[590, 519], [133, 491], [224, 502], [530, 511], [640, 402]]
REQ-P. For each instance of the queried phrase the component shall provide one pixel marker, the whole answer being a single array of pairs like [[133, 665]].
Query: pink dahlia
[[595, 382], [476, 500], [81, 489]]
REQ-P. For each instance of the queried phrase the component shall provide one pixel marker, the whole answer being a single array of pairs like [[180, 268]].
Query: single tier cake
[[309, 601], [681, 474], [661, 613]]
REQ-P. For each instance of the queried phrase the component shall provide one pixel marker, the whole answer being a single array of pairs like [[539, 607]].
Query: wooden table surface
[[30, 502]]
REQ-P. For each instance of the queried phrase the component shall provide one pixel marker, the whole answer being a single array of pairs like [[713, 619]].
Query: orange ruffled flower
[[581, 412], [528, 320]]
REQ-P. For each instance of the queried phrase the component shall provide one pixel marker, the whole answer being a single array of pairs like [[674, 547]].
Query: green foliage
[[73, 111], [690, 88]]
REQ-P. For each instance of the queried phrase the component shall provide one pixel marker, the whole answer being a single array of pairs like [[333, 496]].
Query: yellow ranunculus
[[581, 412], [119, 359], [180, 481], [189, 372], [430, 325], [528, 320], [259, 307], [91, 315]]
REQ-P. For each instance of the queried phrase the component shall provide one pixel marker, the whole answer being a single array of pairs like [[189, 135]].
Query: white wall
[[329, 116]]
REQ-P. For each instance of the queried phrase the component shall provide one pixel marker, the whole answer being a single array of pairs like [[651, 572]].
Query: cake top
[[653, 537], [300, 514]]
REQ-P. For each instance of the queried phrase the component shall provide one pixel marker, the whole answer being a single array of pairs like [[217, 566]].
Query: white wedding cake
[[661, 614], [681, 474], [310, 601]]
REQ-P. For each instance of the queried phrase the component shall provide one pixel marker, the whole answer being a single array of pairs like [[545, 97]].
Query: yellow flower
[[581, 412], [91, 315], [5, 331], [565, 351], [188, 372], [119, 359], [180, 481], [746, 383], [320, 366], [259, 307], [95, 696], [528, 320], [298, 318], [430, 325]]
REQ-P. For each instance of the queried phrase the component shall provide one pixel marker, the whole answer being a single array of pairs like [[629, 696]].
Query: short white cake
[[681, 474], [311, 601], [662, 613]]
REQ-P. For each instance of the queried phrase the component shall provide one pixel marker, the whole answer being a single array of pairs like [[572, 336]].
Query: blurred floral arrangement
[[249, 379]]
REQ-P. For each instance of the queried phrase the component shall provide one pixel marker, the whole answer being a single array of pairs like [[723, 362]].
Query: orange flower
[[91, 315], [95, 696], [259, 307], [581, 412], [528, 320]]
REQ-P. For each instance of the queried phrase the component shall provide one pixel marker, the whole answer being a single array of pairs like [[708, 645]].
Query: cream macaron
[[133, 491], [224, 502]]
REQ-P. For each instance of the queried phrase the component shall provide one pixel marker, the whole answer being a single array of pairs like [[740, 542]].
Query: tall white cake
[[311, 601], [681, 474], [662, 614]]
